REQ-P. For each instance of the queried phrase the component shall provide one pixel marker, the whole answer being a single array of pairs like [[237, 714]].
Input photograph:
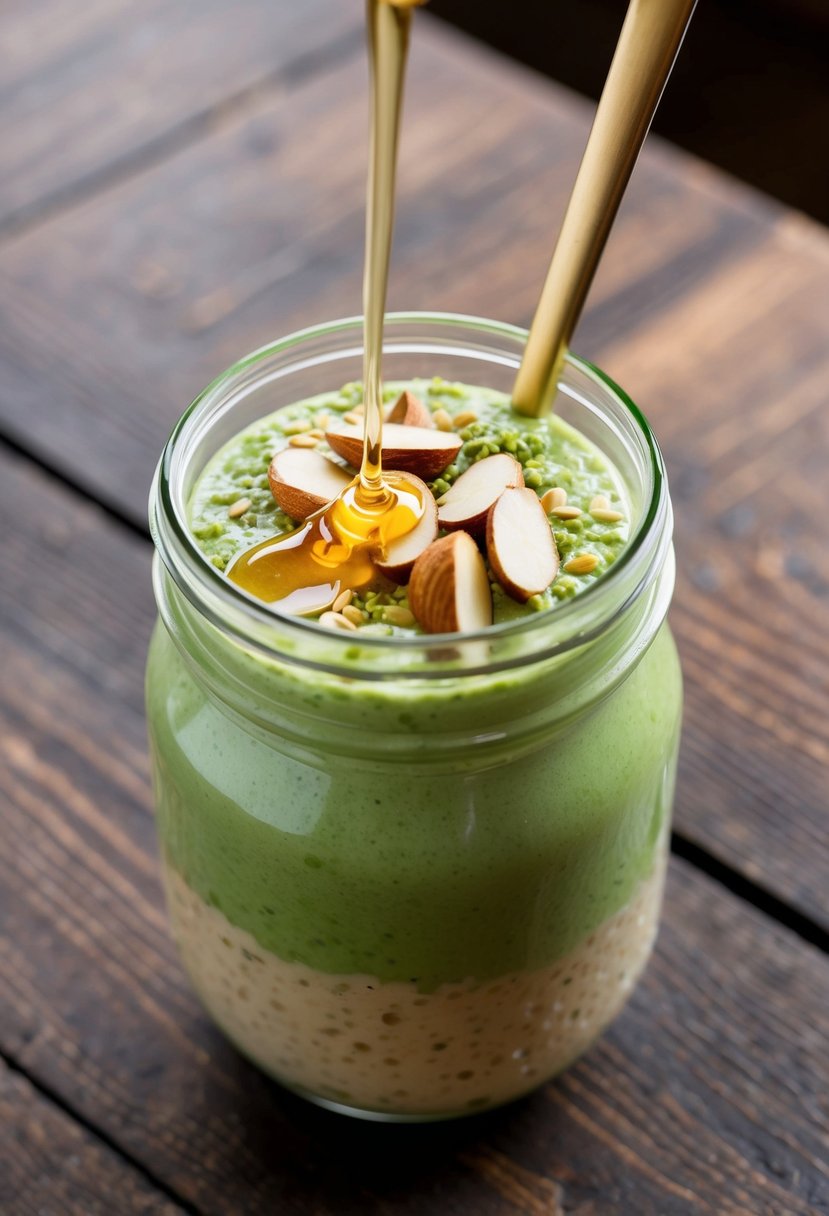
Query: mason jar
[[413, 877]]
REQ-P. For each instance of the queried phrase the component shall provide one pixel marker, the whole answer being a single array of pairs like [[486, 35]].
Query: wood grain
[[51, 1166], [96, 90], [738, 386], [721, 1058]]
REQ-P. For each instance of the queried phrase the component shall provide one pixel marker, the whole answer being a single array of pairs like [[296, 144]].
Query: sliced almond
[[403, 552], [449, 590], [411, 449], [520, 545], [302, 481], [409, 410], [466, 503]]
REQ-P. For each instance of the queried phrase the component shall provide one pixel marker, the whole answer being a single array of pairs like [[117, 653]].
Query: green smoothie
[[418, 897]]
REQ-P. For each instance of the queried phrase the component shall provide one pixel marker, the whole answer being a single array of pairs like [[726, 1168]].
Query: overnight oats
[[413, 827]]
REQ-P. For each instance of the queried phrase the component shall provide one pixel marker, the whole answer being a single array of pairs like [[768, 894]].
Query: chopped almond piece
[[449, 590], [520, 546], [403, 552], [409, 410], [302, 481], [466, 503], [411, 449]]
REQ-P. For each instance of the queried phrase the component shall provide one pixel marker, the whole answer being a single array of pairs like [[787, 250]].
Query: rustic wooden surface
[[50, 1163], [212, 210]]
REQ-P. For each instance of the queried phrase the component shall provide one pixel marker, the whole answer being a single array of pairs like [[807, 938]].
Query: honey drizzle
[[337, 547], [334, 549], [388, 43]]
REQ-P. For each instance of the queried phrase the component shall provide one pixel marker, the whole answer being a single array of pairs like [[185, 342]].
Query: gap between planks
[[177, 138], [50, 1095], [745, 889]]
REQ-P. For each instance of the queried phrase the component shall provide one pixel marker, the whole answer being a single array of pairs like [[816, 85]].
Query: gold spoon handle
[[651, 37]]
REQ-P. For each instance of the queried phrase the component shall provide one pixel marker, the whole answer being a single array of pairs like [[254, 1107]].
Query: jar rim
[[255, 624]]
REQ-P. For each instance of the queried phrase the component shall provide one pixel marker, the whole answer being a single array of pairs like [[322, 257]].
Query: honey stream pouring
[[345, 543]]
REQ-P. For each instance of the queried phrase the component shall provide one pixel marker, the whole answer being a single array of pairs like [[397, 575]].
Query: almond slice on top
[[520, 546], [302, 481], [410, 410], [402, 553], [467, 502], [411, 449], [449, 590]]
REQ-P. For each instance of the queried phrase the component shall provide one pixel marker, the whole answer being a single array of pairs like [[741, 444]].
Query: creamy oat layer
[[388, 1047]]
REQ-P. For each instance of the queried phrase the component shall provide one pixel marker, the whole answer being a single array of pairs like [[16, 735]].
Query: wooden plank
[[113, 316], [735, 380], [94, 90], [708, 1096], [51, 1164]]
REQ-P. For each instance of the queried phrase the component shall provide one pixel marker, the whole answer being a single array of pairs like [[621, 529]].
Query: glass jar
[[413, 878]]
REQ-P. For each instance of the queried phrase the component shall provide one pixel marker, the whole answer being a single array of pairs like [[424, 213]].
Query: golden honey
[[336, 548]]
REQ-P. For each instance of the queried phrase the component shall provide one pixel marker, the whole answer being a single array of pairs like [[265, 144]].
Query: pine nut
[[352, 613], [582, 563], [336, 620], [557, 497], [465, 418], [396, 614], [345, 597], [599, 503]]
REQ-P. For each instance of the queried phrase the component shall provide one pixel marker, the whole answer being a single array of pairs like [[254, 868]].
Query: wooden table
[[178, 184]]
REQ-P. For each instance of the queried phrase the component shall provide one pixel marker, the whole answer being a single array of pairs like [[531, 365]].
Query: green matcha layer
[[416, 875], [233, 508]]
